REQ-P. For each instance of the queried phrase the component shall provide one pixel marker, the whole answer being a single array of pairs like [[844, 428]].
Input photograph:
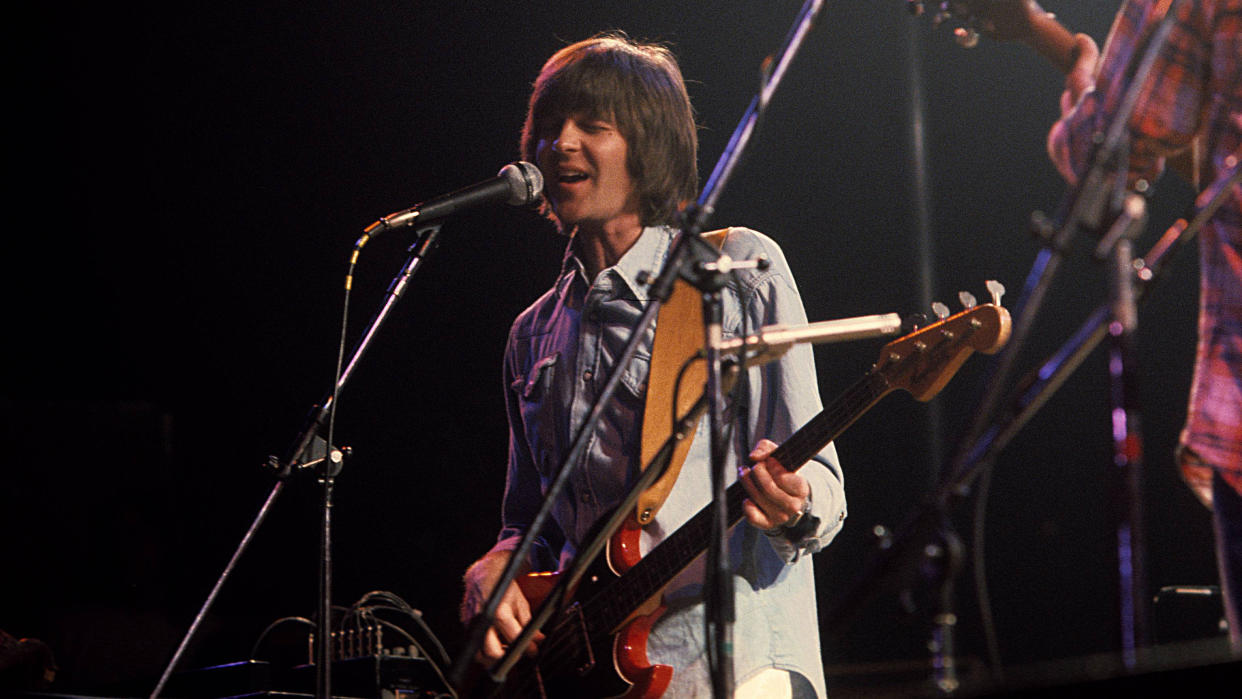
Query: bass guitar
[[596, 645]]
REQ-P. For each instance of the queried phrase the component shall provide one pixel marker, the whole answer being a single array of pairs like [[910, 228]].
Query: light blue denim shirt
[[559, 354]]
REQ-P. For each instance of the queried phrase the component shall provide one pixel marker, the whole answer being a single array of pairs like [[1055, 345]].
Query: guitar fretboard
[[614, 604]]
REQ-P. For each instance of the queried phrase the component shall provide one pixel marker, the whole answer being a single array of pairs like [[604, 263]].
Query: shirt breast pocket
[[635, 377], [534, 393], [537, 381]]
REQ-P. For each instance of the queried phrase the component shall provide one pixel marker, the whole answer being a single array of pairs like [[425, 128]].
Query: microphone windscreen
[[525, 183]]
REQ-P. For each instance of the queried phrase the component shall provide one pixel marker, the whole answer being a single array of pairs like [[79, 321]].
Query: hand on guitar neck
[[1075, 55], [774, 494], [1024, 21]]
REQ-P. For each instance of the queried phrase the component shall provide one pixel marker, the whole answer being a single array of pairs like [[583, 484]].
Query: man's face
[[584, 167]]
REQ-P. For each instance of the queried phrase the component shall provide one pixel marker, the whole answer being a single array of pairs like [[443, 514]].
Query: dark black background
[[190, 180]]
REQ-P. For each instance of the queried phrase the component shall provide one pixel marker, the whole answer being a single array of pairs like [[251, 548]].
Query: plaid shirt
[[1194, 89]]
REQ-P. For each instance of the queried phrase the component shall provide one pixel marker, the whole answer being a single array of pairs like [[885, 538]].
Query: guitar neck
[[651, 574], [831, 422]]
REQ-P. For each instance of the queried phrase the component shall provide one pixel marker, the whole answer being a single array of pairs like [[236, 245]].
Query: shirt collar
[[647, 254]]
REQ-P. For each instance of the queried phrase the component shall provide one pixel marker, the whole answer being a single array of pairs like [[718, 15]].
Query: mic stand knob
[[333, 463], [335, 457]]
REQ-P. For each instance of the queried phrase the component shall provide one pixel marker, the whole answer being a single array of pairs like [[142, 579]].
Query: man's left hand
[[775, 494]]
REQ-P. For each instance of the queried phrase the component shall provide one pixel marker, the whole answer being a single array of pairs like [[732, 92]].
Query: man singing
[[611, 128]]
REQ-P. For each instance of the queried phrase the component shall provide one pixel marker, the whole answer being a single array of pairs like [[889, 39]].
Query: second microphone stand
[[312, 452]]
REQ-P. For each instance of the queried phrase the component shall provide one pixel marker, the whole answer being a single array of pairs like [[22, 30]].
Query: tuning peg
[[912, 322], [968, 299], [996, 289], [941, 310]]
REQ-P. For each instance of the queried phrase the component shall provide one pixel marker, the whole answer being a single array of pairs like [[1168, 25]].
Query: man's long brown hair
[[638, 87]]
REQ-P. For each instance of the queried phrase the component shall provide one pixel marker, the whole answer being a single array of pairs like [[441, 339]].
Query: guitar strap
[[678, 336]]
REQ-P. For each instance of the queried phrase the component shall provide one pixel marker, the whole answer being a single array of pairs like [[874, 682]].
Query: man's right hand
[[512, 614]]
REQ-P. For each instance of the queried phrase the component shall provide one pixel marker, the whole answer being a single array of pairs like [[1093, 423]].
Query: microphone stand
[[919, 544], [1085, 208], [1127, 435], [1100, 201], [1041, 383], [311, 451], [718, 611]]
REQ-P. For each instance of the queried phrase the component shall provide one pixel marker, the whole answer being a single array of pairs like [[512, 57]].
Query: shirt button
[[586, 375], [586, 497]]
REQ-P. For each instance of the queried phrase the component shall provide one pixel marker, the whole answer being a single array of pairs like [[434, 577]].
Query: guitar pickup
[[589, 665]]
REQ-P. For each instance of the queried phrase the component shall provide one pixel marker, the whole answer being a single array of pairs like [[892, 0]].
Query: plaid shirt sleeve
[[1173, 100]]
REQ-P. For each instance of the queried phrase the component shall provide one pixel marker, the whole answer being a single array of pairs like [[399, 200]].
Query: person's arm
[[522, 497], [1024, 21], [784, 397]]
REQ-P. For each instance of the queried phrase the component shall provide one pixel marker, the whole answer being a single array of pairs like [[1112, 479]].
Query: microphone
[[518, 184]]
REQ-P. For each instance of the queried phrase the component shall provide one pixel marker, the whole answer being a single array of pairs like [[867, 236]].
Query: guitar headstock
[[1002, 20], [924, 361]]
